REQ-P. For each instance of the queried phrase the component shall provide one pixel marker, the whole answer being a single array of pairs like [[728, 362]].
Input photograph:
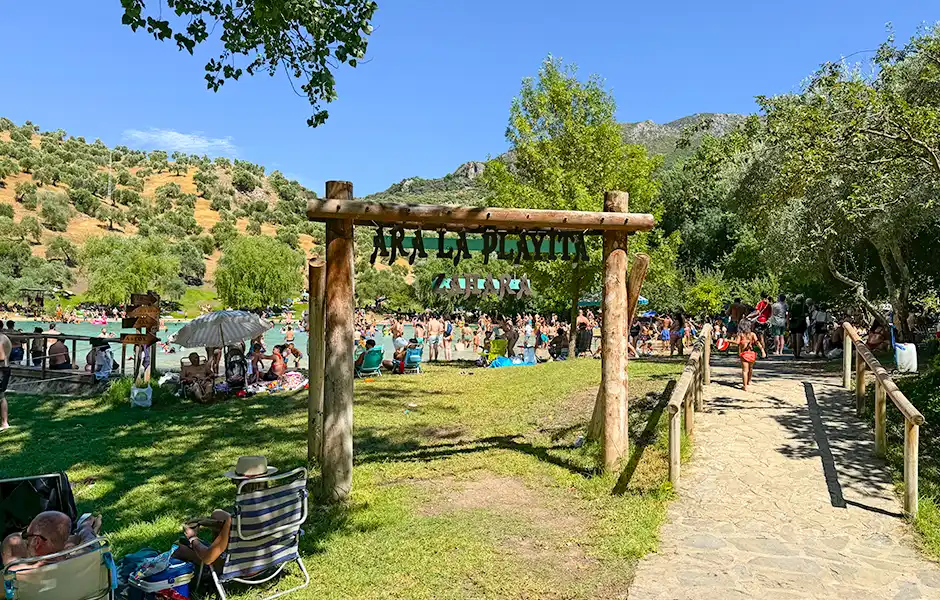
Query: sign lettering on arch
[[514, 247], [473, 284]]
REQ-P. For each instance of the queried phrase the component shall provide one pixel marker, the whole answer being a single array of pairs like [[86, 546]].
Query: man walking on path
[[797, 325], [737, 311]]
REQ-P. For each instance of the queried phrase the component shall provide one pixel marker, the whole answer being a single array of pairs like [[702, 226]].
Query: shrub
[[6, 210], [84, 201], [243, 181]]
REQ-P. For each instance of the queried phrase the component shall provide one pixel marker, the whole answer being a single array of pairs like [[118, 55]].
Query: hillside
[[61, 191], [463, 185]]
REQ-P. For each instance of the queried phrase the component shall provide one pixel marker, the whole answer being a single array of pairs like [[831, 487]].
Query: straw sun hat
[[248, 467]]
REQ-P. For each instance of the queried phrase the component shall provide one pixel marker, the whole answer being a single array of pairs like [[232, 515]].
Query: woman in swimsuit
[[746, 340]]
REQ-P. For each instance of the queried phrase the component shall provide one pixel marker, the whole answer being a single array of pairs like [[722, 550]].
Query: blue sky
[[440, 75]]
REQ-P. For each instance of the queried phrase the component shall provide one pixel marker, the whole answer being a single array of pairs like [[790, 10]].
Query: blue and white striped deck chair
[[265, 531]]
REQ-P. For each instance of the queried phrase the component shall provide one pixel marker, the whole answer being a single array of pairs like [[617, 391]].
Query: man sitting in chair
[[196, 379], [220, 522], [48, 533]]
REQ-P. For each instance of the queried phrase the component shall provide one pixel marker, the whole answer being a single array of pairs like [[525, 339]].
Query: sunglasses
[[26, 536]]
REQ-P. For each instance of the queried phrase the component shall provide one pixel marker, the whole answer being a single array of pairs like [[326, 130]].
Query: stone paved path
[[782, 499]]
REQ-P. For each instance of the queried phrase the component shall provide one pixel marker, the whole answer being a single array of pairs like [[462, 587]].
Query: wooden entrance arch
[[332, 307]]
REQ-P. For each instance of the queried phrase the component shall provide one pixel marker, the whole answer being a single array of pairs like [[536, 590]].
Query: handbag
[[749, 356]]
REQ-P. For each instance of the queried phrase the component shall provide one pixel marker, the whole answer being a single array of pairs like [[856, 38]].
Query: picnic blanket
[[288, 382]]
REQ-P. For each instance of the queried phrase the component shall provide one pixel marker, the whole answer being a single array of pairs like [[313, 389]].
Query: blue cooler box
[[177, 576]]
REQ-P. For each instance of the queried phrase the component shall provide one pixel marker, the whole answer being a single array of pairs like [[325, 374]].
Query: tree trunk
[[901, 308], [573, 326], [859, 288]]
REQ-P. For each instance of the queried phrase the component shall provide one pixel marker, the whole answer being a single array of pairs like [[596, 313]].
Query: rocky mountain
[[463, 185]]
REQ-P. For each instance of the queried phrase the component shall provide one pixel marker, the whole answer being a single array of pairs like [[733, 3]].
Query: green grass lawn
[[192, 301], [467, 483]]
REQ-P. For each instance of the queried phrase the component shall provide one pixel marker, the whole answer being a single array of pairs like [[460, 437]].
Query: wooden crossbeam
[[458, 218]]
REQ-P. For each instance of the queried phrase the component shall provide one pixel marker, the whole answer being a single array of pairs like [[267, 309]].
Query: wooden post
[[697, 384], [315, 363], [123, 358], [74, 354], [635, 279], [847, 346], [339, 306], [911, 440], [45, 354], [707, 357], [859, 384], [613, 357], [689, 413], [881, 446], [675, 448]]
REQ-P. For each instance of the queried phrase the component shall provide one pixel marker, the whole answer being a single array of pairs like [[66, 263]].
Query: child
[[13, 548]]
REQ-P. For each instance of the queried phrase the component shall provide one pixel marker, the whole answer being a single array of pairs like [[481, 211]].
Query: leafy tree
[[46, 175], [192, 263], [168, 190], [180, 163], [223, 163], [7, 168], [158, 161], [31, 228], [254, 228], [187, 200], [118, 266], [125, 196], [6, 210], [84, 201], [220, 203], [864, 183], [27, 162], [60, 248], [23, 189], [144, 172], [10, 230], [114, 215], [568, 150], [55, 211], [306, 40], [239, 281], [244, 181], [205, 243], [223, 232], [707, 294]]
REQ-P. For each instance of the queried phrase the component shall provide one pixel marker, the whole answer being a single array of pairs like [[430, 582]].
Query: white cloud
[[191, 143]]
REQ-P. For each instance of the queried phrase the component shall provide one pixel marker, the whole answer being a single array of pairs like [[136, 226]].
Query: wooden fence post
[[911, 440], [881, 446], [707, 357], [697, 385], [859, 384], [688, 413], [339, 308], [613, 357], [847, 346], [675, 448], [315, 361]]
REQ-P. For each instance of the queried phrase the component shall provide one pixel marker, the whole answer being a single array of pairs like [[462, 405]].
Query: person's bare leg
[[4, 422], [750, 372], [744, 374]]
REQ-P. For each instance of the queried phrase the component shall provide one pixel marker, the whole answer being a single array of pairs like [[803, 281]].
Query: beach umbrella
[[221, 328], [642, 300]]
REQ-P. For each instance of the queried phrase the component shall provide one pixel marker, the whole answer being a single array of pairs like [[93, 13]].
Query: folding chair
[[85, 572], [22, 498], [371, 363], [413, 358], [265, 532]]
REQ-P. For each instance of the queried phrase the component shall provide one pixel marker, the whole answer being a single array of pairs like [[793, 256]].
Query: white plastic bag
[[142, 397], [906, 356]]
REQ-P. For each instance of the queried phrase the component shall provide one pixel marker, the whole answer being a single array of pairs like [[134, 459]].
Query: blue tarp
[[503, 361]]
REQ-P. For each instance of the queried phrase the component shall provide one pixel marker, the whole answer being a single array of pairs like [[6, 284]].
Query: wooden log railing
[[688, 396], [884, 388]]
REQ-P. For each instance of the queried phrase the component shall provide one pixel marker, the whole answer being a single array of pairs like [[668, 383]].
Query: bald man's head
[[48, 533]]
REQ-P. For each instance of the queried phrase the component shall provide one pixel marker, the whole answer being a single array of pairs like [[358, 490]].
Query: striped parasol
[[221, 328]]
